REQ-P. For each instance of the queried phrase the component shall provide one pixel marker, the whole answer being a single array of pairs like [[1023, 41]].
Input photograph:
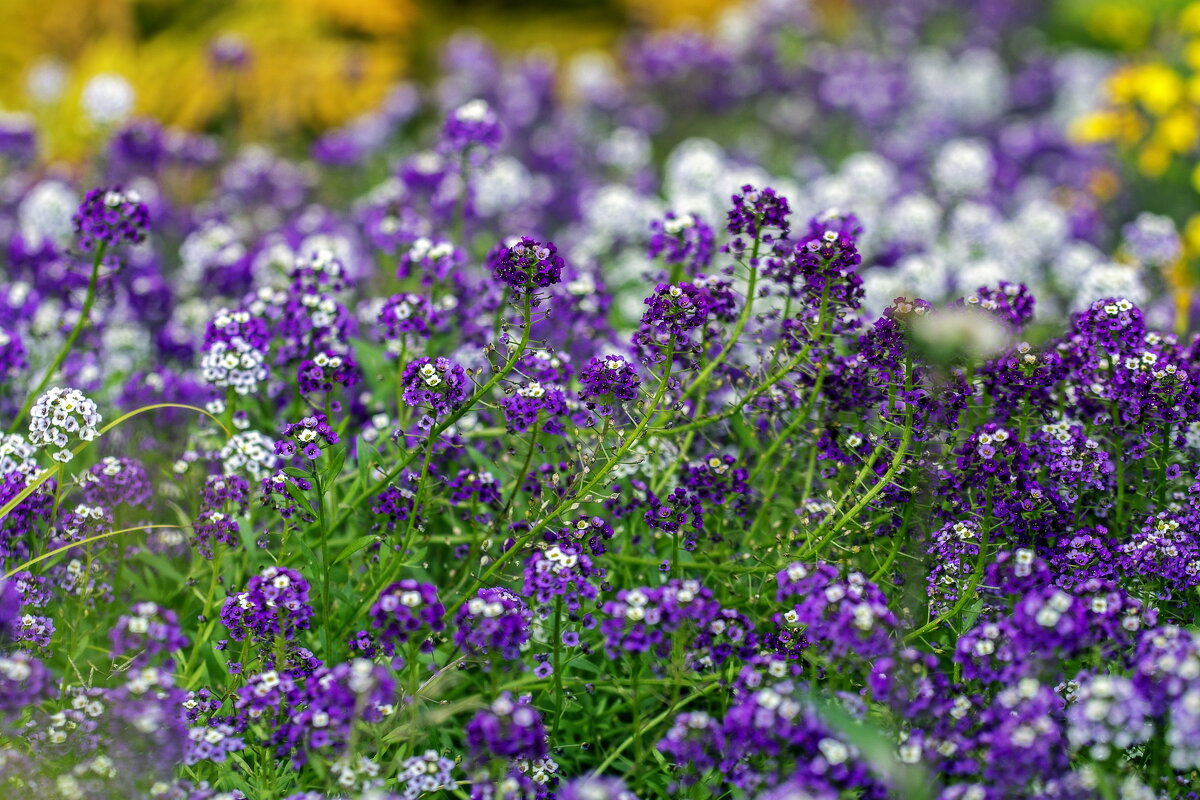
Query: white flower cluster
[[235, 364], [425, 248], [212, 246], [556, 560], [61, 416], [142, 618], [16, 455], [428, 772], [358, 774], [541, 771], [249, 451]]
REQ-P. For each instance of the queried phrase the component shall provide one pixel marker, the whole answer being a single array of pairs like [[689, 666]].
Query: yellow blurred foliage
[[310, 63], [1153, 105]]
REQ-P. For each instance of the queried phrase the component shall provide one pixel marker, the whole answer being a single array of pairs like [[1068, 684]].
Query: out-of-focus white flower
[[108, 99]]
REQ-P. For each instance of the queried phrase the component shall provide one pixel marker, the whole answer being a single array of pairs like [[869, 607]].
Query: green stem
[[558, 676], [582, 494], [53, 470], [450, 419], [739, 326], [80, 324], [520, 476]]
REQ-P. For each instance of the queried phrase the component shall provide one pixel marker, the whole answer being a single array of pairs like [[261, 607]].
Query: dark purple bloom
[[528, 265], [110, 216]]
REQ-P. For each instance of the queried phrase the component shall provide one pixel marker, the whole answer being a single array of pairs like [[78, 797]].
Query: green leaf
[[334, 467], [298, 495], [353, 547]]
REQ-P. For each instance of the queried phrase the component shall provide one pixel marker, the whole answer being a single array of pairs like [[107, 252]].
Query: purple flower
[[24, 681], [472, 124], [116, 481], [675, 309], [148, 630], [755, 213], [310, 436], [528, 265], [225, 497], [405, 610], [509, 728], [437, 383], [275, 603], [608, 381], [685, 240], [406, 317], [109, 216], [843, 617], [560, 571], [495, 622], [533, 402], [325, 370], [12, 353]]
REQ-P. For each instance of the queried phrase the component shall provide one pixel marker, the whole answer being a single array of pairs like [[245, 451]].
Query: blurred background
[[274, 68]]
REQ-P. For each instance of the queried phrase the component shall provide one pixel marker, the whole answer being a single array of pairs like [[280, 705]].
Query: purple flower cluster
[[225, 497], [405, 316], [683, 240], [534, 405], [324, 371], [309, 437], [116, 482], [607, 382], [509, 728], [407, 610], [147, 631], [275, 604], [842, 616], [474, 123], [435, 383], [676, 309], [110, 216], [494, 623], [527, 265]]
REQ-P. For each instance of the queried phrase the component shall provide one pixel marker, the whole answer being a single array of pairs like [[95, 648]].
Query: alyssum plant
[[485, 545]]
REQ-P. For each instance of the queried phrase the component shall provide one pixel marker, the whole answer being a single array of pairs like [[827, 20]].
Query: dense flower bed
[[767, 418]]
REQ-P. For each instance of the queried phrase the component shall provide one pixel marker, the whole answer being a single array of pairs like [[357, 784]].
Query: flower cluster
[[275, 604], [767, 479], [527, 265], [110, 216], [407, 610], [235, 352], [145, 632], [436, 383], [682, 239], [61, 417], [493, 622], [676, 309], [608, 381], [474, 123], [310, 437]]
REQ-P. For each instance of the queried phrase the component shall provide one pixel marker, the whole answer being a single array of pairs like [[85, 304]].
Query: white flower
[[107, 99], [249, 451], [60, 416]]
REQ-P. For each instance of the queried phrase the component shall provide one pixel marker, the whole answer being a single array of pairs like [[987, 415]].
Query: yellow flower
[[1177, 130], [312, 63], [1107, 126], [1191, 236], [1153, 160], [1158, 87], [1196, 179], [1189, 19]]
